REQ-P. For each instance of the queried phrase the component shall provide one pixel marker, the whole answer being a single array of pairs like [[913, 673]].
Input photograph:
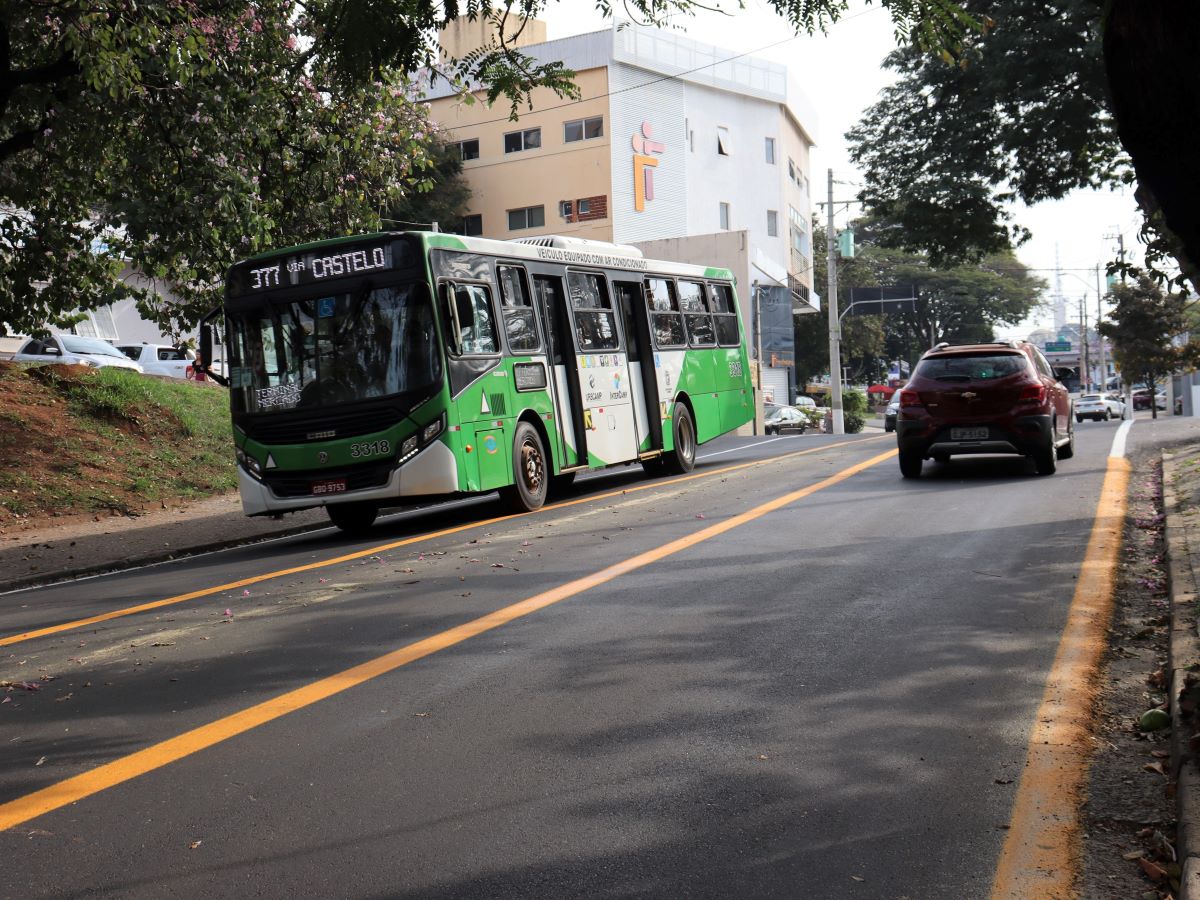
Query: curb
[[62, 576], [1183, 653]]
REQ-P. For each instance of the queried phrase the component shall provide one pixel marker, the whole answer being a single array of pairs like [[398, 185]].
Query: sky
[[841, 74]]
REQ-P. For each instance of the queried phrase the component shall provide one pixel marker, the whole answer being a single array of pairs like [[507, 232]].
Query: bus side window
[[665, 320], [627, 298], [472, 327], [519, 321], [549, 295], [724, 314], [595, 323], [696, 315]]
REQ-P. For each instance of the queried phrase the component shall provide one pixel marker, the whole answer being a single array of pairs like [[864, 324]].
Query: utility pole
[[1099, 336], [1086, 381], [835, 325]]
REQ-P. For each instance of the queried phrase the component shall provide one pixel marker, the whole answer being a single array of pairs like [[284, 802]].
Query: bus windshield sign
[[317, 266]]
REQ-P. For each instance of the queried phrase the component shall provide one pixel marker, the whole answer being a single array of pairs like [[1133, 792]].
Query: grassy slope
[[77, 440]]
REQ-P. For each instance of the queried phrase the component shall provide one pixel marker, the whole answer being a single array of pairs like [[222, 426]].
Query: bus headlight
[[433, 429], [409, 447], [249, 463]]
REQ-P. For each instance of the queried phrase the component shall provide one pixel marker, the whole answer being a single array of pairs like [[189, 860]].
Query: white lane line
[[1118, 444], [742, 447]]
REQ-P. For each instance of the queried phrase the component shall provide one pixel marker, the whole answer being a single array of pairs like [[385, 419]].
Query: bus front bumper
[[431, 472]]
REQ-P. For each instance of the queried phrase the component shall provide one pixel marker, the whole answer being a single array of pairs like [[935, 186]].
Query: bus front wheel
[[352, 518], [682, 459], [530, 478]]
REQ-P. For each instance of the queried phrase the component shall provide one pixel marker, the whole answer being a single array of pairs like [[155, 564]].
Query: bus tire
[[682, 459], [530, 478], [353, 518]]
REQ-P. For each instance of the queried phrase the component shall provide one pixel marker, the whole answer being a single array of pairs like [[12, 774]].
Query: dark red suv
[[984, 398]]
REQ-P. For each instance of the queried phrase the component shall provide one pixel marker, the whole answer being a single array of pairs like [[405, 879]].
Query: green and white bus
[[369, 371]]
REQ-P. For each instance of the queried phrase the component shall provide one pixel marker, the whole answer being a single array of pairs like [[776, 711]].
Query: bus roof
[[554, 248]]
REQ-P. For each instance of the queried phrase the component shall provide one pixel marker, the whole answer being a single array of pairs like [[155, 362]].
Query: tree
[[1144, 327], [176, 138], [1045, 98], [1022, 115], [444, 196], [959, 303]]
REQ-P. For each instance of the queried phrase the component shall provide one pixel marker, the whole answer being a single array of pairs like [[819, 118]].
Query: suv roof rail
[[942, 345]]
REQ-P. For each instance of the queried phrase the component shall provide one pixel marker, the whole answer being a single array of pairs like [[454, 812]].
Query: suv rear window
[[971, 367]]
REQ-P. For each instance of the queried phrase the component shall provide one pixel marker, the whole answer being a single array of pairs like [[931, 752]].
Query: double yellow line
[[158, 755]]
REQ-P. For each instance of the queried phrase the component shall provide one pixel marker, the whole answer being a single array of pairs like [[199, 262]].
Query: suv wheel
[[1067, 450], [910, 463], [1046, 458]]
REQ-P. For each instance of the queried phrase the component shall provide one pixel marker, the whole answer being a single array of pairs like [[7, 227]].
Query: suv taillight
[[910, 398], [1033, 394]]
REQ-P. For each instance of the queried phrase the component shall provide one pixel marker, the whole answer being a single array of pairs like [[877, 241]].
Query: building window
[[471, 226], [583, 129], [529, 139], [724, 213], [772, 223], [722, 140], [583, 207], [529, 217], [770, 150], [469, 149]]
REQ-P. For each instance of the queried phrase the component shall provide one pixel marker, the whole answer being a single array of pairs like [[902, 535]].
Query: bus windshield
[[333, 349]]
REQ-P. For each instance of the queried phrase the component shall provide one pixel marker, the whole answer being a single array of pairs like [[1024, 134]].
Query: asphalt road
[[782, 676]]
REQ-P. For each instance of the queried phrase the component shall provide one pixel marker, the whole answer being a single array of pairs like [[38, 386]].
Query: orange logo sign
[[644, 165]]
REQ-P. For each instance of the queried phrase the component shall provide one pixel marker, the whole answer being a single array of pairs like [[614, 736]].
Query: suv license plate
[[968, 434], [332, 486]]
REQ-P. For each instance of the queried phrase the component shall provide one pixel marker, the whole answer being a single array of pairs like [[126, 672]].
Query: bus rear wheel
[[353, 518], [530, 478], [682, 459]]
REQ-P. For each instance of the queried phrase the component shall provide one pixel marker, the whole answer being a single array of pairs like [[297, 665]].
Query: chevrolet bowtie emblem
[[967, 395]]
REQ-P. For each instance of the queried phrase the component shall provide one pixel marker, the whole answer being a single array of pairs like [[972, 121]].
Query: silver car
[[72, 349]]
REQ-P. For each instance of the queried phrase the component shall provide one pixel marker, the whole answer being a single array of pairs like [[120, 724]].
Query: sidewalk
[[1181, 501], [90, 545]]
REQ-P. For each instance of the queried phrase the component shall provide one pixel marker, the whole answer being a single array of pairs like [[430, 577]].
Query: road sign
[[875, 301], [1058, 346]]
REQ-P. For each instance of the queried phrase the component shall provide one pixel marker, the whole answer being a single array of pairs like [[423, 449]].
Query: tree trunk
[[1150, 54]]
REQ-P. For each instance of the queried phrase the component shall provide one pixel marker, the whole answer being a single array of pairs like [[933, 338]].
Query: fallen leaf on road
[[196, 844], [1154, 767], [1132, 855], [21, 685], [1153, 870], [1003, 780], [63, 697], [40, 761], [858, 878], [163, 644]]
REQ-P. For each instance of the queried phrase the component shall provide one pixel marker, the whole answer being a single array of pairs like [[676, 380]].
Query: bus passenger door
[[643, 382], [603, 371], [564, 379]]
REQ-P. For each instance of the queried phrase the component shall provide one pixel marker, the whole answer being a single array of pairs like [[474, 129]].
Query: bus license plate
[[332, 486], [968, 434]]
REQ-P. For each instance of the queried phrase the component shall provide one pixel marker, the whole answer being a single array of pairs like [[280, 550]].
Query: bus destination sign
[[315, 267]]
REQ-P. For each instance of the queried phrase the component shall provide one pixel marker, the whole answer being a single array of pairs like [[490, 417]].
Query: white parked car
[[72, 349], [160, 359], [1100, 407]]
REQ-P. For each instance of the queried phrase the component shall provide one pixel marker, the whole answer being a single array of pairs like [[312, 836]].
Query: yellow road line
[[1041, 851], [15, 812], [372, 551]]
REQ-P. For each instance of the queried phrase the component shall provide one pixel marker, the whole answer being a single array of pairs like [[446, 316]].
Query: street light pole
[[835, 333]]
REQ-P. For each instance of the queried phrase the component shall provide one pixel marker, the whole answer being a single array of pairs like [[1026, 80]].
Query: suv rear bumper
[[1023, 436]]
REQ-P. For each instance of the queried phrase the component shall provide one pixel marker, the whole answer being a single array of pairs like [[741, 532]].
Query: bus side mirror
[[206, 344]]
